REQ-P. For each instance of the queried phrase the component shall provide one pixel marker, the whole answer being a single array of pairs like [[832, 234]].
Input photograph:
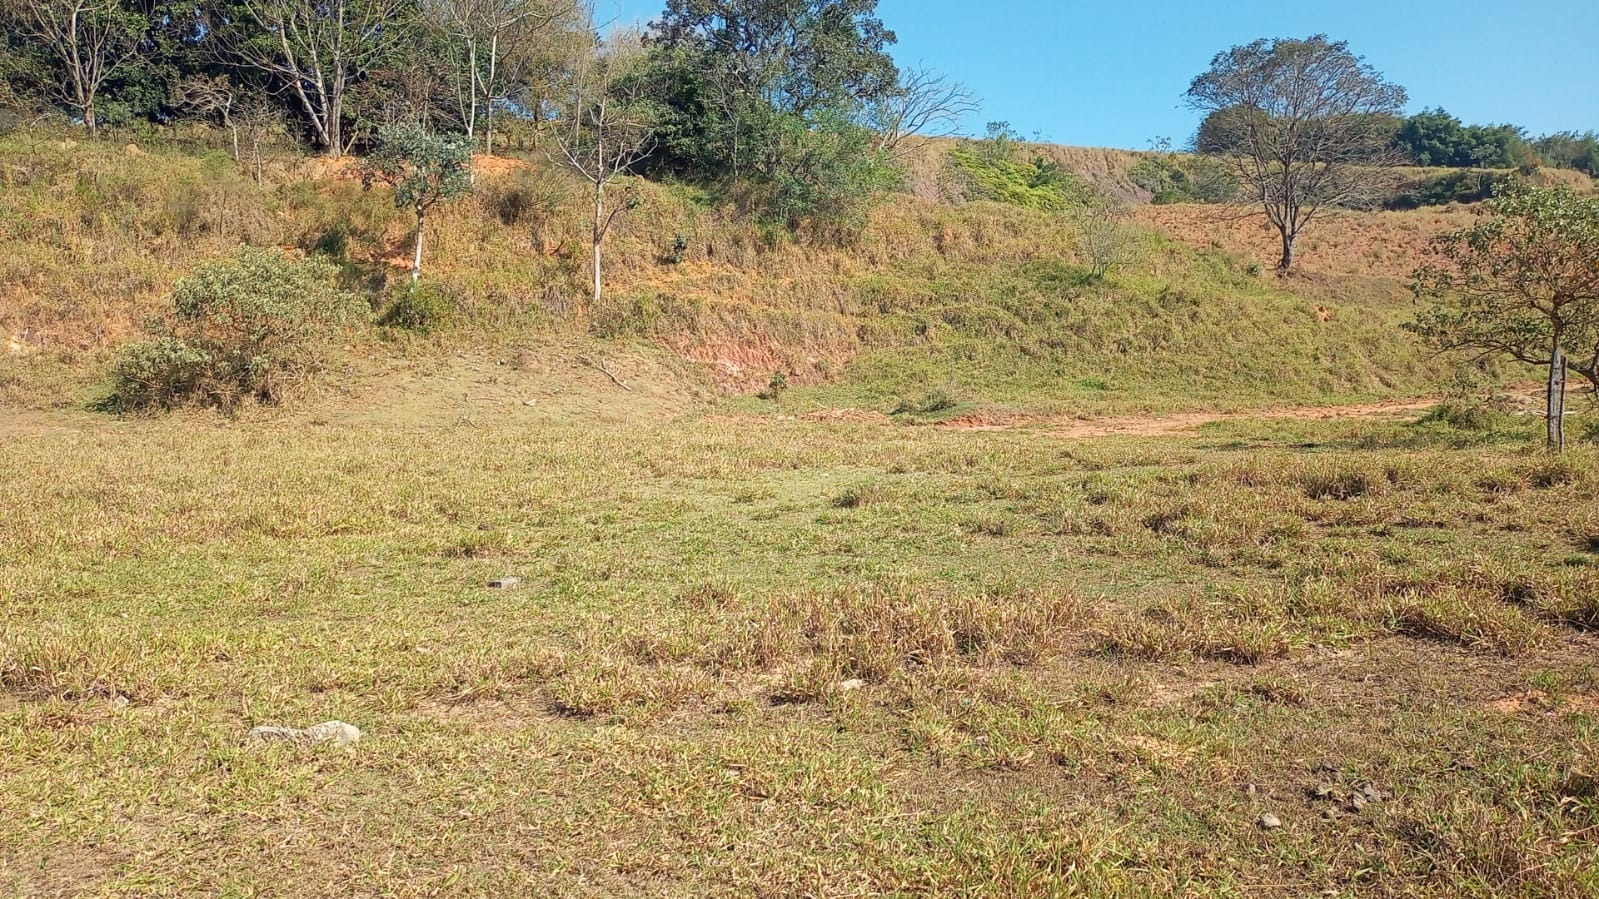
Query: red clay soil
[[1187, 422]]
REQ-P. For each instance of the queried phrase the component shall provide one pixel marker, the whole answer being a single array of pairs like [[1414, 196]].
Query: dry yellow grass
[[1086, 667]]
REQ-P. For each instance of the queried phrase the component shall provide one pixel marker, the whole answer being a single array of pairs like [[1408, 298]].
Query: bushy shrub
[[1588, 431], [993, 169], [1174, 179], [634, 317], [421, 308], [157, 373], [1434, 137], [1455, 187], [935, 402], [242, 327], [1462, 415]]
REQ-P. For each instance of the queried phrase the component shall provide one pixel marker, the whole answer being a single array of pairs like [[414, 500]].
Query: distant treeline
[[1436, 138]]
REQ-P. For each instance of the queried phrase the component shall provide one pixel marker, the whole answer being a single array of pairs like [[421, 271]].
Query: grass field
[[1011, 581], [1087, 666]]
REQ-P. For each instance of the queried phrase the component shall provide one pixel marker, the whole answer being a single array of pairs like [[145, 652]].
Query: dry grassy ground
[[924, 623], [1089, 666]]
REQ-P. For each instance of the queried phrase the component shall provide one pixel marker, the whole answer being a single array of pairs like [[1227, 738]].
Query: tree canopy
[[1305, 128], [1523, 283]]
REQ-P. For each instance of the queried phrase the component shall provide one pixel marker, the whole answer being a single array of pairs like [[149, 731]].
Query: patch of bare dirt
[[851, 416], [985, 421], [1189, 422], [1538, 702]]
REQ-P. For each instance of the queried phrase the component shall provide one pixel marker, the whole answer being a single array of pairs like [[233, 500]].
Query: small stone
[[1251, 790], [851, 685], [335, 732], [1357, 803], [504, 583], [1268, 821], [1372, 794], [1321, 791], [1331, 814], [1327, 768]]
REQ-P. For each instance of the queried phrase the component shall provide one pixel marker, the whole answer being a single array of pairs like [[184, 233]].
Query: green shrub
[[635, 317], [421, 308], [241, 327], [157, 373], [1462, 415], [1588, 431], [1175, 179], [1454, 187], [993, 169], [774, 388], [334, 242], [933, 402]]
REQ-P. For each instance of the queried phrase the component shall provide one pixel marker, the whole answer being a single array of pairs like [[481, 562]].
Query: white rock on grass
[[335, 732]]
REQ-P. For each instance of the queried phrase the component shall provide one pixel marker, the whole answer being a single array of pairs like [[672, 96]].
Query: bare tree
[[924, 103], [210, 96], [1104, 237], [1310, 128], [603, 132], [494, 41], [261, 121], [89, 40], [318, 49]]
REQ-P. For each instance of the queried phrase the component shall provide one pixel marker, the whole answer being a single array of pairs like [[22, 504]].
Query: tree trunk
[[1557, 401], [416, 261], [335, 120], [488, 90], [471, 89], [1287, 261], [599, 235]]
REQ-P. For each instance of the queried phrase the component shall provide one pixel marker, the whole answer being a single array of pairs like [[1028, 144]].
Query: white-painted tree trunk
[[416, 261], [1557, 400]]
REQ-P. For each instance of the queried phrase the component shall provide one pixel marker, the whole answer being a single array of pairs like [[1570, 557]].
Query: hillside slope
[[928, 305]]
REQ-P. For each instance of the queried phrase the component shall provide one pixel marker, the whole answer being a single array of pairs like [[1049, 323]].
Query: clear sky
[[1112, 72]]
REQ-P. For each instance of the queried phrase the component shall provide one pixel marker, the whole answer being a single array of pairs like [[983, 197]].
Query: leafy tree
[[1310, 138], [795, 55], [775, 93], [1522, 283], [1224, 131], [1436, 138], [86, 42], [1570, 150], [424, 169]]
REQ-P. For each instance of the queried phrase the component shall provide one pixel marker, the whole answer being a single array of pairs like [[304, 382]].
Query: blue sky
[[1112, 73]]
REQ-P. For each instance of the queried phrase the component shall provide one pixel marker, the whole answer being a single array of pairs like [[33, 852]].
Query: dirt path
[[1188, 422]]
